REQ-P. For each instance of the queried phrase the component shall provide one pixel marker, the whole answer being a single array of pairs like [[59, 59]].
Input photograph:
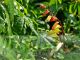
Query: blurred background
[[23, 30]]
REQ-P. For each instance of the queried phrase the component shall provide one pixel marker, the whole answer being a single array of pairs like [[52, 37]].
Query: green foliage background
[[23, 36]]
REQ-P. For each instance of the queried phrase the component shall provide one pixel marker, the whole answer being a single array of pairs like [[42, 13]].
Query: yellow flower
[[48, 18]]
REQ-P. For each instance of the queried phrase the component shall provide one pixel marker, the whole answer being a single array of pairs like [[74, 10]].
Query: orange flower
[[56, 25]]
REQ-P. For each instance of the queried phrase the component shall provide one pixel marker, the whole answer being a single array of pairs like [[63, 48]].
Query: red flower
[[46, 12], [53, 18], [42, 6]]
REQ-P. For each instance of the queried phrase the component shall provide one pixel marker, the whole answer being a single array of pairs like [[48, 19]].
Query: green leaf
[[10, 5], [79, 9], [70, 8], [60, 1], [52, 2], [33, 29]]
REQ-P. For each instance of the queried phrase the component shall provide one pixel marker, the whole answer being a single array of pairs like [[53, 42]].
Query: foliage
[[25, 34]]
